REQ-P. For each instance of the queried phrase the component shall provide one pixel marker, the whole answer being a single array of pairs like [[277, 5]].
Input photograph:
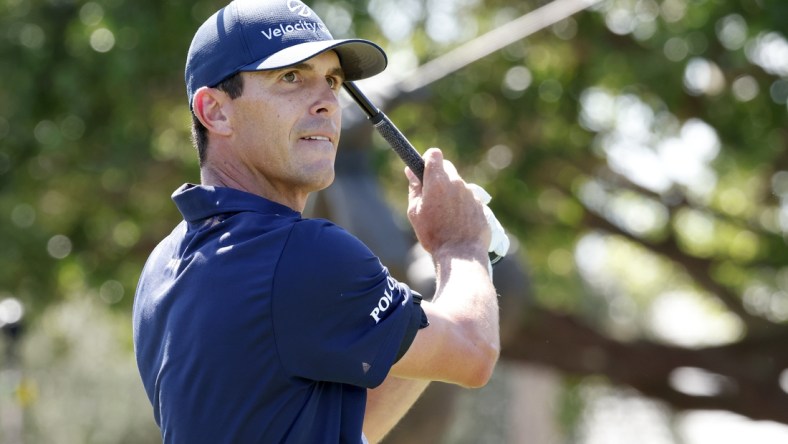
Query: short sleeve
[[338, 315]]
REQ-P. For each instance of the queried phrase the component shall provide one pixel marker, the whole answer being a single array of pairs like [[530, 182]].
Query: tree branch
[[751, 368]]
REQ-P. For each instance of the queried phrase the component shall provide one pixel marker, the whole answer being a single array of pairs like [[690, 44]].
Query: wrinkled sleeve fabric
[[338, 315]]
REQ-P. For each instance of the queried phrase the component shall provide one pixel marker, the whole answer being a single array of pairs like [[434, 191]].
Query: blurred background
[[635, 151]]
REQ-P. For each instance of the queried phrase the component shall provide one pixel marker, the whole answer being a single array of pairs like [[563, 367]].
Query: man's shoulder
[[320, 229], [327, 253], [321, 238]]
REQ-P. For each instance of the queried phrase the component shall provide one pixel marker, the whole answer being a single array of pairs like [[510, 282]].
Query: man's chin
[[327, 183], [322, 182]]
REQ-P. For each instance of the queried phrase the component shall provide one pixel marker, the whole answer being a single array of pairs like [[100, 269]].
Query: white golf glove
[[499, 242]]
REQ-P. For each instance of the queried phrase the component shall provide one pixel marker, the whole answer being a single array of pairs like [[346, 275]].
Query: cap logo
[[300, 25], [282, 29], [296, 5]]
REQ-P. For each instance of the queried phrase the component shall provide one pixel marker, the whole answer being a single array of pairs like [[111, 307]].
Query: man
[[255, 325]]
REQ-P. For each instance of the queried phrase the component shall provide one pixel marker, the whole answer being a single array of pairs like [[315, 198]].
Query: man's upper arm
[[338, 315], [430, 354]]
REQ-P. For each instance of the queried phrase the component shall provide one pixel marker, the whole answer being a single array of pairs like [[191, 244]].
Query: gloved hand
[[499, 242]]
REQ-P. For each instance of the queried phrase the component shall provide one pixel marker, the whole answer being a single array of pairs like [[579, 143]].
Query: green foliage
[[93, 126], [636, 52]]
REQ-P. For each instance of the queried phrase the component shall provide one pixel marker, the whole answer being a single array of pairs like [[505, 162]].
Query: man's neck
[[216, 177]]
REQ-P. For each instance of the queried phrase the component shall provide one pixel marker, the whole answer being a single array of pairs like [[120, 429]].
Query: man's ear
[[211, 108]]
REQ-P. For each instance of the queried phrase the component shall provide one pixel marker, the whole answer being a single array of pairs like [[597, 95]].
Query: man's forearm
[[461, 345], [388, 403]]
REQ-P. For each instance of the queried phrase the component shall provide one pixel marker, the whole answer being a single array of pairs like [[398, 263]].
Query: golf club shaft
[[386, 128]]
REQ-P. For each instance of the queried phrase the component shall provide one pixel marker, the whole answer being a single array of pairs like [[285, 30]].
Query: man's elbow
[[480, 370]]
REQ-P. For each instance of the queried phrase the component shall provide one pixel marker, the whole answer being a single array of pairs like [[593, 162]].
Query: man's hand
[[445, 213]]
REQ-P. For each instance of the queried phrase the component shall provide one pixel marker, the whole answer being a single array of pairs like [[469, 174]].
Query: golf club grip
[[400, 144], [405, 150]]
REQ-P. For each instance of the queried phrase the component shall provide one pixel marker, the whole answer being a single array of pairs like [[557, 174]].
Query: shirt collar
[[197, 202]]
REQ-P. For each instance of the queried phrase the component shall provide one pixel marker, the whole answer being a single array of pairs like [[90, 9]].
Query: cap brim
[[359, 58]]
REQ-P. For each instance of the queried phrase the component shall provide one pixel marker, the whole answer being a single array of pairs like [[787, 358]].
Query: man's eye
[[333, 82], [290, 77]]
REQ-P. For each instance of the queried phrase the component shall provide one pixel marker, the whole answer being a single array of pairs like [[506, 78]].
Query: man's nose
[[327, 101]]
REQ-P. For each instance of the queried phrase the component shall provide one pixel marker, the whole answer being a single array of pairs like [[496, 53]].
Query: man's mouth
[[316, 138]]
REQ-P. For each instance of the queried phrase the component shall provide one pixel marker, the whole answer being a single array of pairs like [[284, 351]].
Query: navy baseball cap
[[257, 35]]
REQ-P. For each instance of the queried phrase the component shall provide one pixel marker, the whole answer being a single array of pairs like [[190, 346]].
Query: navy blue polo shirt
[[255, 325]]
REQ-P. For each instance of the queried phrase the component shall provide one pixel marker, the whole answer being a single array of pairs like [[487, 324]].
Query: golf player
[[253, 324]]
